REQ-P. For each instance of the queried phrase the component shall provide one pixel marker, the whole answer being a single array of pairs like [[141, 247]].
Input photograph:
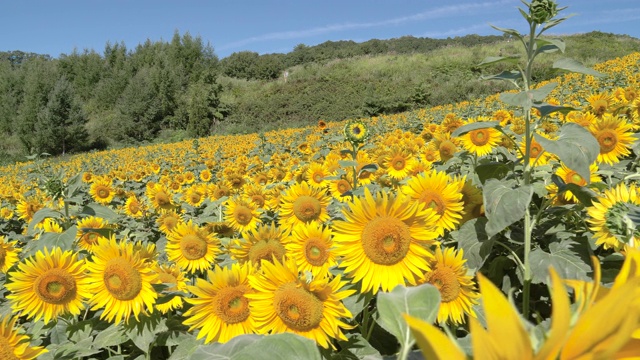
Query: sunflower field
[[504, 227]]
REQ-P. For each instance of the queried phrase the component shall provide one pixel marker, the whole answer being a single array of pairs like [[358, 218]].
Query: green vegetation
[[169, 91]]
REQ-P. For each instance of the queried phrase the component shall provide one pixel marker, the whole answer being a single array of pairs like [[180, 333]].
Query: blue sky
[[263, 26]]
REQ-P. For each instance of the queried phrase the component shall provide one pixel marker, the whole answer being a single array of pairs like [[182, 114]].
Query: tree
[[203, 106], [61, 123]]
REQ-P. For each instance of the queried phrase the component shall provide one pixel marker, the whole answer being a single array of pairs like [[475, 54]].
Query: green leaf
[[100, 211], [286, 346], [420, 301], [504, 204], [527, 99], [357, 347], [575, 66], [564, 260], [369, 167], [186, 348], [512, 59], [549, 45], [474, 126], [512, 76], [476, 244], [224, 351], [111, 336], [575, 147], [584, 194], [347, 163], [541, 93], [513, 32], [547, 109], [41, 215], [493, 170], [51, 240]]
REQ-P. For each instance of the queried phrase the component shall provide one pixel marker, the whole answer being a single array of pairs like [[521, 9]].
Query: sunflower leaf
[[513, 59], [575, 66], [420, 301], [473, 240], [504, 204], [286, 346], [564, 259], [41, 215], [100, 211]]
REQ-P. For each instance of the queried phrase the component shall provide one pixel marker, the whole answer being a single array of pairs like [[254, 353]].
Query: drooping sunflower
[[302, 204], [192, 247], [120, 281], [263, 243], [607, 217], [241, 214], [285, 302], [458, 292], [52, 284], [615, 136], [9, 251], [472, 199], [447, 147], [13, 345], [311, 247], [220, 307], [384, 240], [441, 193], [168, 221], [174, 278], [102, 190], [160, 197], [480, 141], [599, 103], [86, 237]]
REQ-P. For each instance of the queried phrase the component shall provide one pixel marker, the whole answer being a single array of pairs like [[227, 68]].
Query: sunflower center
[[121, 279], [316, 251], [6, 350], [307, 208], [447, 149], [433, 200], [166, 278], [266, 249], [444, 278], [134, 207], [318, 177], [386, 240], [55, 286], [479, 137], [298, 308], [162, 198], [535, 150], [242, 214], [91, 238], [343, 186], [195, 198], [193, 247], [170, 222], [231, 305], [398, 163], [607, 140], [574, 178], [258, 200], [103, 193], [356, 130], [599, 107]]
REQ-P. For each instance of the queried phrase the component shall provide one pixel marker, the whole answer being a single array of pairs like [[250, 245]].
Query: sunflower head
[[541, 11], [13, 344], [356, 132]]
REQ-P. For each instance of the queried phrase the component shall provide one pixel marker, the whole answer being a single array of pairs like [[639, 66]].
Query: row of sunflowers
[[171, 247]]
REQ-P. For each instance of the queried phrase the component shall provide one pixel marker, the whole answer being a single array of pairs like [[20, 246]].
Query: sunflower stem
[[355, 167]]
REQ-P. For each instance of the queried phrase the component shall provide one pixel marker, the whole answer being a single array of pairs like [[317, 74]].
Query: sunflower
[[241, 214], [50, 225], [472, 199], [191, 247], [86, 236], [194, 195], [302, 204], [8, 254], [572, 177], [458, 294], [317, 174], [537, 154], [52, 284], [311, 247], [480, 141], [133, 207], [102, 190], [356, 132], [615, 136], [599, 104], [13, 345], [256, 193], [175, 279], [503, 116], [439, 192], [607, 217], [26, 208], [87, 177], [338, 188], [399, 162], [205, 175], [221, 309], [446, 146], [285, 302], [120, 281], [383, 241], [160, 197], [265, 242], [168, 221]]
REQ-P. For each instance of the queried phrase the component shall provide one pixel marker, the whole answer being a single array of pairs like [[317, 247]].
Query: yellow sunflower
[[607, 217], [241, 214], [102, 190], [572, 177], [194, 195], [399, 162], [220, 307], [311, 247], [168, 221], [302, 204], [480, 141], [537, 154], [458, 293], [338, 188], [50, 225], [256, 193], [615, 136], [447, 147], [133, 207], [8, 254], [439, 192], [384, 240], [172, 276], [205, 175], [263, 243], [86, 237], [13, 345], [356, 132], [285, 302], [317, 174], [160, 197], [599, 104], [121, 282], [26, 208], [191, 247], [52, 284], [472, 199]]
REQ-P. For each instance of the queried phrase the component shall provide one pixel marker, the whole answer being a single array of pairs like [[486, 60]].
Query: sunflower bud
[[356, 132], [541, 11]]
